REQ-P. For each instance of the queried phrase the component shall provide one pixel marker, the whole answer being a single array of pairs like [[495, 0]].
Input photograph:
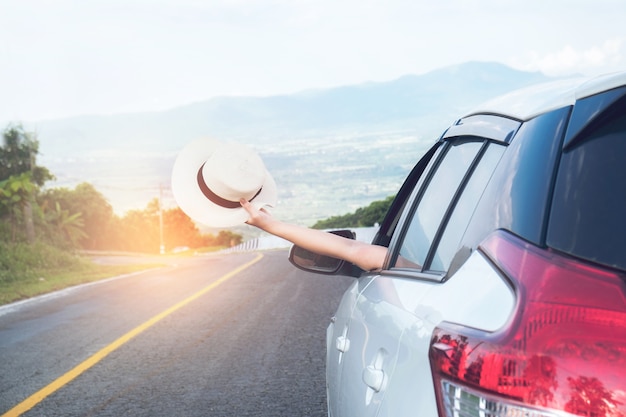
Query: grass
[[30, 270], [49, 281]]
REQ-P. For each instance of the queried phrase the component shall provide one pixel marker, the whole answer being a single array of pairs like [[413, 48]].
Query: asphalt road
[[231, 335]]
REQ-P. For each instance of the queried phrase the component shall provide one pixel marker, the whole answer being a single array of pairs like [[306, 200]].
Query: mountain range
[[330, 150]]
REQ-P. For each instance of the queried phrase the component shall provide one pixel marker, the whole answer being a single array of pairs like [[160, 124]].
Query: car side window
[[464, 209], [435, 201], [412, 182]]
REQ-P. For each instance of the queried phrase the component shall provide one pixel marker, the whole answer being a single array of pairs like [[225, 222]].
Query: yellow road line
[[40, 395]]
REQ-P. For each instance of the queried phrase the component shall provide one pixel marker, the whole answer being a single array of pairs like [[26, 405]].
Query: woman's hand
[[258, 218]]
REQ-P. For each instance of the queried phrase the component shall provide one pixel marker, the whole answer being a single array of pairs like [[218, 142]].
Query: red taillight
[[564, 350]]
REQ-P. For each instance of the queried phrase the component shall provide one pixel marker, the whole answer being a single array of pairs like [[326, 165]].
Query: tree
[[589, 397], [18, 156], [362, 217], [95, 211], [140, 231], [227, 238], [70, 226], [15, 194], [179, 230]]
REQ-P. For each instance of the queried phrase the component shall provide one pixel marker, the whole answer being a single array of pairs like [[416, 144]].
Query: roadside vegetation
[[362, 217], [45, 233], [27, 270]]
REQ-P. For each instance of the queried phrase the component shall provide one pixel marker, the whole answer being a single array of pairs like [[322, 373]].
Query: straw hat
[[209, 177]]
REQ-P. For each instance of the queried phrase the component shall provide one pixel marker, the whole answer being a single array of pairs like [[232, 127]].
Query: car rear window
[[588, 217]]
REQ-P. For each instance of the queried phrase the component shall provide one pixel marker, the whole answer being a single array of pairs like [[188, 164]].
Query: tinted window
[[588, 217], [436, 199], [518, 195]]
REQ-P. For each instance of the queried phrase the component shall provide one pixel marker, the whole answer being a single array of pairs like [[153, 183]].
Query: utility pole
[[28, 205], [162, 247]]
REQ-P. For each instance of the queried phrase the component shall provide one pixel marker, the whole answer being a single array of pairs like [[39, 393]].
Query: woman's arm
[[365, 256]]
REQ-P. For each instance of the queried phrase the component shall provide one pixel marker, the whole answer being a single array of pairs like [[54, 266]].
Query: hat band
[[214, 198]]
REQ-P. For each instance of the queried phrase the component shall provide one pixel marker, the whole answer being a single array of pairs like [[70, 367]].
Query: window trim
[[411, 207], [414, 201], [415, 274], [393, 218], [434, 246]]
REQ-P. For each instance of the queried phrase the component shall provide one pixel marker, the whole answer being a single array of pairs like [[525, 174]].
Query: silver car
[[515, 224]]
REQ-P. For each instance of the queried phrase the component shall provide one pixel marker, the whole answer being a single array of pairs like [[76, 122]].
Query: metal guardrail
[[364, 234]]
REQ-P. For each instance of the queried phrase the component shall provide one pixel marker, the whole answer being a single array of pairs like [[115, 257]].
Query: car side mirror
[[322, 264]]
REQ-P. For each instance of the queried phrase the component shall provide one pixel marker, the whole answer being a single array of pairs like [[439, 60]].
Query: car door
[[385, 370], [337, 336]]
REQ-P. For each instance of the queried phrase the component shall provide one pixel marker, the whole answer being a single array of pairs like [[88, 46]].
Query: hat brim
[[194, 203]]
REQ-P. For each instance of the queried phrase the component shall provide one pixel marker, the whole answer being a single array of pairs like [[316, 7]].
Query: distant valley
[[330, 151]]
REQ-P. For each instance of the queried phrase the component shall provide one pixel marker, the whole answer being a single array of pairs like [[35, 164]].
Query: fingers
[[248, 207], [255, 216]]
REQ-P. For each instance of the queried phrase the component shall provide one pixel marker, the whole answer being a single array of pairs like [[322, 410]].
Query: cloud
[[605, 57]]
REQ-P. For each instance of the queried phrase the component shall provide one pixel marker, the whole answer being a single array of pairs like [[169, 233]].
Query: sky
[[73, 57]]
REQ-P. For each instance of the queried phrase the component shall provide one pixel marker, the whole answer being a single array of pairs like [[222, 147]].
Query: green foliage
[[85, 202], [362, 217], [225, 238], [20, 178], [82, 218], [27, 270], [140, 232], [15, 196], [68, 219], [17, 152], [70, 226], [18, 155], [16, 190], [24, 262], [179, 230]]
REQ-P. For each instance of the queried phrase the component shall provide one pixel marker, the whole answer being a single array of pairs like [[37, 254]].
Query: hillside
[[330, 151]]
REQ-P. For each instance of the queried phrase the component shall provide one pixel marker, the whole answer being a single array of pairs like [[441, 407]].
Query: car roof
[[526, 103]]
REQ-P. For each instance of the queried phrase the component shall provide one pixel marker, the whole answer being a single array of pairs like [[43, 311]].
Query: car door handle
[[374, 378], [342, 344]]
